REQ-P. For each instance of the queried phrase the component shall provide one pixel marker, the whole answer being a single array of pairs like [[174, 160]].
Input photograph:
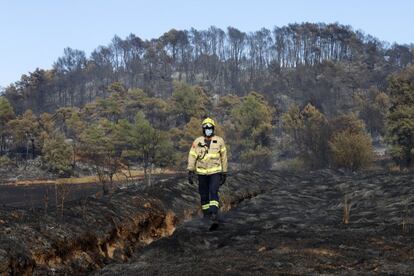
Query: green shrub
[[57, 155], [5, 161], [351, 150]]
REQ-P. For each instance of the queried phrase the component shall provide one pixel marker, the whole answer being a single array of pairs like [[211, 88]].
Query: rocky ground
[[274, 223], [31, 169]]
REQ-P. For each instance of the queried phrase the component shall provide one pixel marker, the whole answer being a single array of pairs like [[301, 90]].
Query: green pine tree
[[400, 119], [145, 144], [251, 138], [6, 114], [57, 154], [98, 147]]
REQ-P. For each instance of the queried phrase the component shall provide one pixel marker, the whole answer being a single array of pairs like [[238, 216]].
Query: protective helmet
[[208, 121], [208, 127]]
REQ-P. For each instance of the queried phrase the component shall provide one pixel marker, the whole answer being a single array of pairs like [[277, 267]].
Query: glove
[[191, 176], [223, 178]]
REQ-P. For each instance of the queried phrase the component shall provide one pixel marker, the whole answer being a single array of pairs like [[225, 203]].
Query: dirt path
[[295, 227]]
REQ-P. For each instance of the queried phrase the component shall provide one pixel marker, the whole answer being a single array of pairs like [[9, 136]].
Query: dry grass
[[321, 252], [394, 168], [225, 199], [347, 209], [405, 217], [124, 175]]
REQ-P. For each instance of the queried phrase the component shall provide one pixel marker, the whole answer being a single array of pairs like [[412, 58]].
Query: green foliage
[[69, 122], [122, 104], [225, 105], [111, 108], [190, 131], [157, 112], [314, 137], [132, 75], [372, 106], [308, 132], [351, 150], [318, 141], [6, 114], [98, 148], [252, 122], [5, 161], [57, 154], [165, 155], [293, 125], [331, 63], [47, 128], [400, 128], [400, 120], [259, 157], [347, 122], [97, 138], [189, 101], [136, 98], [6, 111], [25, 133], [75, 125], [145, 144], [117, 87]]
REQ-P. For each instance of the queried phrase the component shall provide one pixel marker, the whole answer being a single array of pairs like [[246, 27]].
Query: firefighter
[[208, 159]]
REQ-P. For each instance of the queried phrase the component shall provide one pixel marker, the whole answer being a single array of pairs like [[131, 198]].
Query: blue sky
[[34, 33]]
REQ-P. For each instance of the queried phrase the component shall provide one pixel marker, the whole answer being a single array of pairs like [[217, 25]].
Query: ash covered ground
[[274, 223]]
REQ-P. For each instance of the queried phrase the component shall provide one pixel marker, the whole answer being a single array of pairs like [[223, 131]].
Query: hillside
[[300, 93], [309, 62]]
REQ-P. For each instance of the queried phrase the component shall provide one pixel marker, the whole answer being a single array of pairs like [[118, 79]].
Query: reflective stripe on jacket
[[204, 160]]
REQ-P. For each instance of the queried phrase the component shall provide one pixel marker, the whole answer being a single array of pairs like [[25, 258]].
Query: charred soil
[[272, 223]]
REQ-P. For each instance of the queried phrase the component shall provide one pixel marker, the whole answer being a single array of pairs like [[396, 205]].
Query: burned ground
[[39, 195], [43, 192], [295, 226], [277, 223]]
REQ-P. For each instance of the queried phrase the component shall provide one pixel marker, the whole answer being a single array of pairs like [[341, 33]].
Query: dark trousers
[[208, 186]]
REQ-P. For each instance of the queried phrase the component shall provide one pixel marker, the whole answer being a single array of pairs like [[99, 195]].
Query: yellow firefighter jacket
[[208, 160]]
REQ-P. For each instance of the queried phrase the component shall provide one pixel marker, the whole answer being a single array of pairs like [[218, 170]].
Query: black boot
[[206, 214], [214, 222], [213, 218]]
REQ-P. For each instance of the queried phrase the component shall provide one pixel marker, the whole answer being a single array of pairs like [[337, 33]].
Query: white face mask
[[208, 132]]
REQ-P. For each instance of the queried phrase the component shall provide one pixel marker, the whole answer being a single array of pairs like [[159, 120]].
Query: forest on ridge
[[302, 92]]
